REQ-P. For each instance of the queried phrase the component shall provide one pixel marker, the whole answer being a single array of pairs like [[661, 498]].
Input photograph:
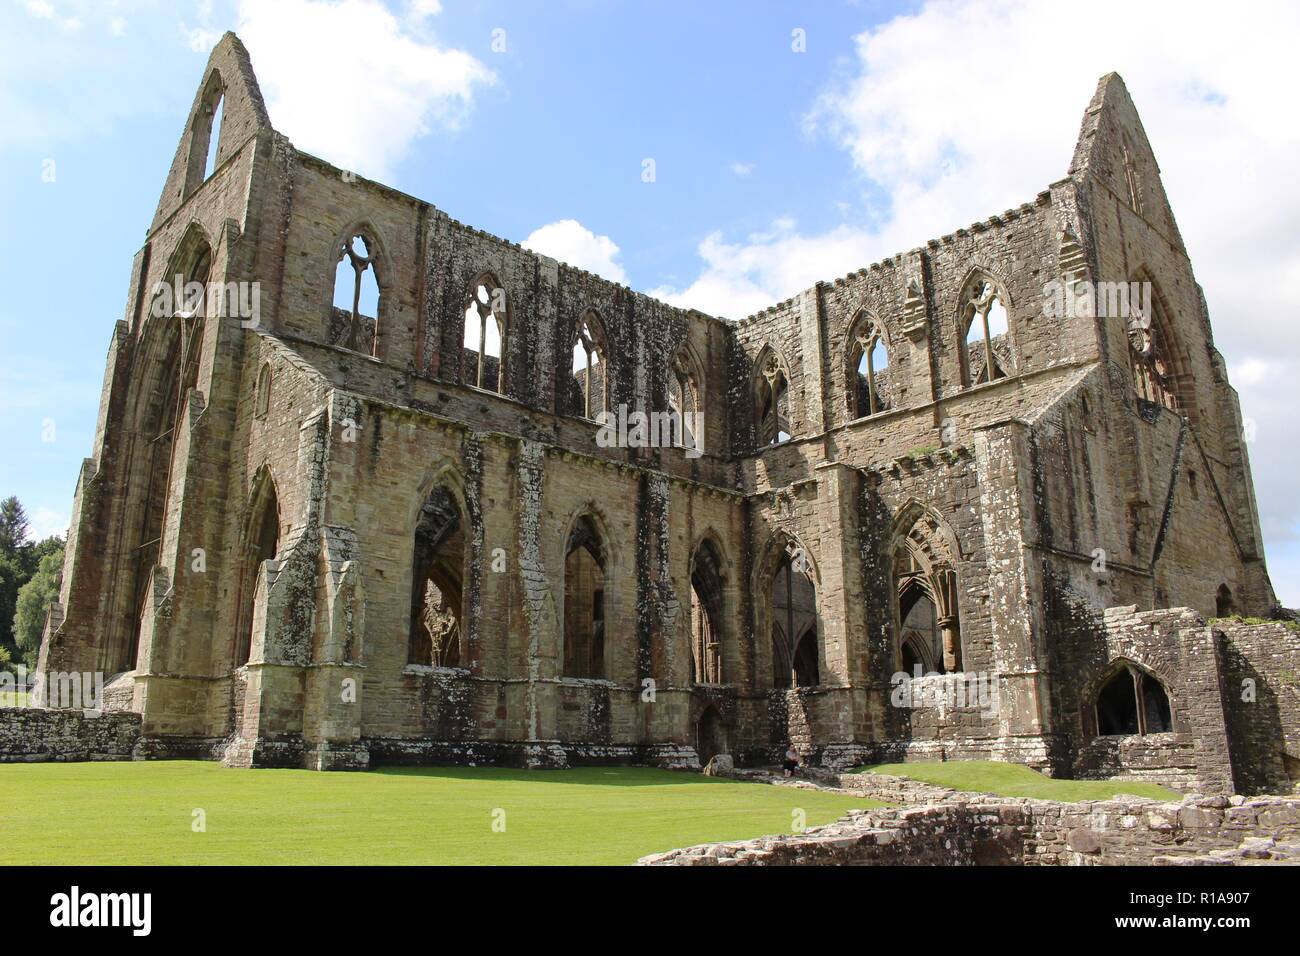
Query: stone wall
[[1262, 696], [1174, 647], [30, 735], [973, 831]]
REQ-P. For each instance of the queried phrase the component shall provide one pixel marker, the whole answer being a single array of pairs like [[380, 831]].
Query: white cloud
[[200, 39], [570, 241], [347, 81], [40, 9], [47, 521], [967, 108], [741, 278], [420, 9], [742, 169]]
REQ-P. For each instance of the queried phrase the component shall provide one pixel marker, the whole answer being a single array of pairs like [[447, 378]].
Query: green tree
[[11, 579], [31, 554], [13, 527], [34, 600]]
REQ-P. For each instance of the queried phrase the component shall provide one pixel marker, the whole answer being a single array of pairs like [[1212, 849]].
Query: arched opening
[[985, 328], [205, 135], [214, 137], [1152, 362], [925, 588], [772, 402], [684, 402], [1117, 711], [706, 615], [806, 671], [355, 316], [792, 598], [710, 735], [261, 543], [589, 385], [437, 583], [1131, 701], [584, 602], [262, 397], [172, 358], [916, 655], [1224, 605], [1156, 715], [782, 666], [922, 641], [1153, 353], [869, 360], [483, 345]]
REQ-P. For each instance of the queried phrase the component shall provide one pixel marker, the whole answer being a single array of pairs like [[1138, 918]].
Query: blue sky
[[774, 166]]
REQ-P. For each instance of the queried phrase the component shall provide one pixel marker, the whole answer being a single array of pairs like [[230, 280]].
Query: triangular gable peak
[[228, 78], [1113, 151]]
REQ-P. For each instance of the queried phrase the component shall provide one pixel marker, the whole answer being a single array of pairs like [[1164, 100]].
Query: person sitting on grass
[[791, 761]]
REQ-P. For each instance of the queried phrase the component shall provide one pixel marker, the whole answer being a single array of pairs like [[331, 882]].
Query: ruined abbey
[[359, 515]]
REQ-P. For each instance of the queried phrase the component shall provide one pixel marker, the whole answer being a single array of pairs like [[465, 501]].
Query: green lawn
[[141, 812], [1014, 780]]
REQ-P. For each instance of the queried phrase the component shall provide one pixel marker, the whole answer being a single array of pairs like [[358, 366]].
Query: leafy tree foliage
[[34, 600], [21, 562]]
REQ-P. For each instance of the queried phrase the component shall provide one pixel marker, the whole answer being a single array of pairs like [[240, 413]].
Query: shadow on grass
[[600, 776]]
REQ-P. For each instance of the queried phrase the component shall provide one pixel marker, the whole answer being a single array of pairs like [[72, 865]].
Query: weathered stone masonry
[[414, 549], [954, 829]]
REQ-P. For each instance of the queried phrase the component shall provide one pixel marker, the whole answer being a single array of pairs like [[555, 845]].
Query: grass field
[[1014, 780], [133, 813]]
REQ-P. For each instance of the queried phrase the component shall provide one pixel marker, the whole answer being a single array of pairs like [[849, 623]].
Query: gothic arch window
[[484, 343], [1152, 358], [355, 315], [590, 386], [260, 544], [437, 583], [706, 615], [584, 601], [1132, 180], [214, 137], [985, 328], [1132, 701], [869, 391], [792, 602], [925, 594], [262, 397], [772, 400], [205, 134], [684, 400]]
